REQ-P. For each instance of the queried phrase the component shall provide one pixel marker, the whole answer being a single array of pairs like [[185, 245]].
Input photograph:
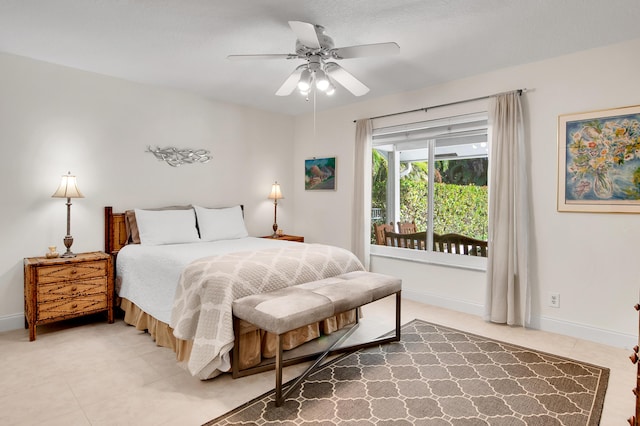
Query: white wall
[[55, 119], [590, 259]]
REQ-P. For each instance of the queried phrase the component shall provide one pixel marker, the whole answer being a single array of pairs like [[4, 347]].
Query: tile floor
[[93, 373]]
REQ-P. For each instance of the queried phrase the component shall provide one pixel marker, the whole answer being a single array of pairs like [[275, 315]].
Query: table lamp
[[68, 189], [275, 195]]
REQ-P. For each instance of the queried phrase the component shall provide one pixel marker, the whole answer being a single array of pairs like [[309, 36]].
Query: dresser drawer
[[71, 289], [76, 271], [71, 307]]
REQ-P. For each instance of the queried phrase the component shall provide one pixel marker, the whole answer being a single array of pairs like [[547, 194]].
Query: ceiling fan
[[316, 48]]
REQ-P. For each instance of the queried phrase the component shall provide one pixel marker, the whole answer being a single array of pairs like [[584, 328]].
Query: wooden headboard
[[115, 231]]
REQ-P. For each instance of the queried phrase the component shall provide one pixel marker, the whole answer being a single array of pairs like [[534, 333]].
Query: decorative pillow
[[158, 227], [220, 224], [133, 235]]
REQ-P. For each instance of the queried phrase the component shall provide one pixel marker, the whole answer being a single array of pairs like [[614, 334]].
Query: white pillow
[[220, 224], [158, 227]]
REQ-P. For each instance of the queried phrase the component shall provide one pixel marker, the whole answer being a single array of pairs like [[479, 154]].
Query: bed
[[178, 269]]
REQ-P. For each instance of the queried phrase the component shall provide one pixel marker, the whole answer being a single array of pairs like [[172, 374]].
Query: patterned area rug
[[438, 376]]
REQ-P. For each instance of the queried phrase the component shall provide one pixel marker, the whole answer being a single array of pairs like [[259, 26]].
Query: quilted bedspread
[[202, 308]]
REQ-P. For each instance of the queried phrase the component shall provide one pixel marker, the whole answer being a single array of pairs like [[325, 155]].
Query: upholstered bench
[[292, 307]]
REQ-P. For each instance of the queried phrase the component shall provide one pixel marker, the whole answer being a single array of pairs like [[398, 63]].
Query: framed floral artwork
[[599, 161], [320, 174]]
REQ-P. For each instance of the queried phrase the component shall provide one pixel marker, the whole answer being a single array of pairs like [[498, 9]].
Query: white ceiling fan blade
[[305, 33], [377, 49], [345, 79], [267, 56], [291, 82]]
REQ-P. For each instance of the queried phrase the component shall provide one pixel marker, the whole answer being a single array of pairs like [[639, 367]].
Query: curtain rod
[[425, 109]]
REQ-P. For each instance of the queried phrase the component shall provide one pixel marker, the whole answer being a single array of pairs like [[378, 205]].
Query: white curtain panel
[[507, 299], [361, 234]]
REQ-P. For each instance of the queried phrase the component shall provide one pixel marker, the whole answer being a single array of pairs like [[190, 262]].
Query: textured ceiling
[[184, 43]]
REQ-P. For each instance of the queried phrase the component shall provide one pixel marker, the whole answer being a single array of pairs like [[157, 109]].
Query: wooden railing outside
[[447, 243]]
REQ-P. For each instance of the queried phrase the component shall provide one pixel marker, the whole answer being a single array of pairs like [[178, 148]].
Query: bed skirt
[[255, 344]]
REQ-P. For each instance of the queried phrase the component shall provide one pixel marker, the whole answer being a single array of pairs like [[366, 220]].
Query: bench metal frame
[[333, 348]]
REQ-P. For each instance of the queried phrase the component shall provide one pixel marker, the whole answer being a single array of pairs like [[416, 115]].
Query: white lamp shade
[[331, 89], [275, 193], [68, 188], [304, 84], [322, 82]]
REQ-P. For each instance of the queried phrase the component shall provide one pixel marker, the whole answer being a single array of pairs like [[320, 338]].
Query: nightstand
[[285, 237], [62, 288]]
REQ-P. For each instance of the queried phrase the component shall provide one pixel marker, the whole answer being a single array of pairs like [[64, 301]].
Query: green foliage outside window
[[379, 170], [461, 209]]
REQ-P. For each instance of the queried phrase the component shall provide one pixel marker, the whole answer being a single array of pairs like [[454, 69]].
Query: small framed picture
[[599, 161], [320, 174]]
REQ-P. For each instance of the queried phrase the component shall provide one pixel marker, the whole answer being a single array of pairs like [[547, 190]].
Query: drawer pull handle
[[73, 271], [74, 288], [75, 305]]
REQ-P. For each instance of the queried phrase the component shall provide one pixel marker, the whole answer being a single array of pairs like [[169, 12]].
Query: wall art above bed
[[320, 174], [176, 156]]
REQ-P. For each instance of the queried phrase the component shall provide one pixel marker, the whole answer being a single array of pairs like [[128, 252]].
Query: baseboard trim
[[11, 322], [552, 325], [585, 332], [444, 302]]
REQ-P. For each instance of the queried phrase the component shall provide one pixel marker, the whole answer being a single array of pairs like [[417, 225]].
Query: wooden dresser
[[635, 358], [62, 288]]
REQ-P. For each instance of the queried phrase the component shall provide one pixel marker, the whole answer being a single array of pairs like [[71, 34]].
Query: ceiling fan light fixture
[[304, 84], [331, 89], [322, 81], [315, 47]]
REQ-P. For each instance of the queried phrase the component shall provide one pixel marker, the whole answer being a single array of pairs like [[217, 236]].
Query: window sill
[[474, 263]]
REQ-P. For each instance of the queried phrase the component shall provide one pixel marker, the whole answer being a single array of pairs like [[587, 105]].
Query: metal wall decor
[[176, 157]]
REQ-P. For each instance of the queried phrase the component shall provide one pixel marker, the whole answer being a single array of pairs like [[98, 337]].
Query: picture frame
[[320, 174], [599, 161]]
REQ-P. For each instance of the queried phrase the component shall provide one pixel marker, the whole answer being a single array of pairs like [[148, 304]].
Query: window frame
[[477, 263]]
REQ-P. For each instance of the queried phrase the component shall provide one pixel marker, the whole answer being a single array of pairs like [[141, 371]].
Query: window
[[433, 173]]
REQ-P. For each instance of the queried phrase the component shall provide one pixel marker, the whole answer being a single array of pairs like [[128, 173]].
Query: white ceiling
[[184, 43]]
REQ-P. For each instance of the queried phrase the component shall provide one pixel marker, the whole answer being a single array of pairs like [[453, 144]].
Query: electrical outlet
[[554, 300]]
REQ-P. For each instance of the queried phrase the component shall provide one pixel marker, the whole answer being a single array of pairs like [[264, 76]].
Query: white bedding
[[150, 274]]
